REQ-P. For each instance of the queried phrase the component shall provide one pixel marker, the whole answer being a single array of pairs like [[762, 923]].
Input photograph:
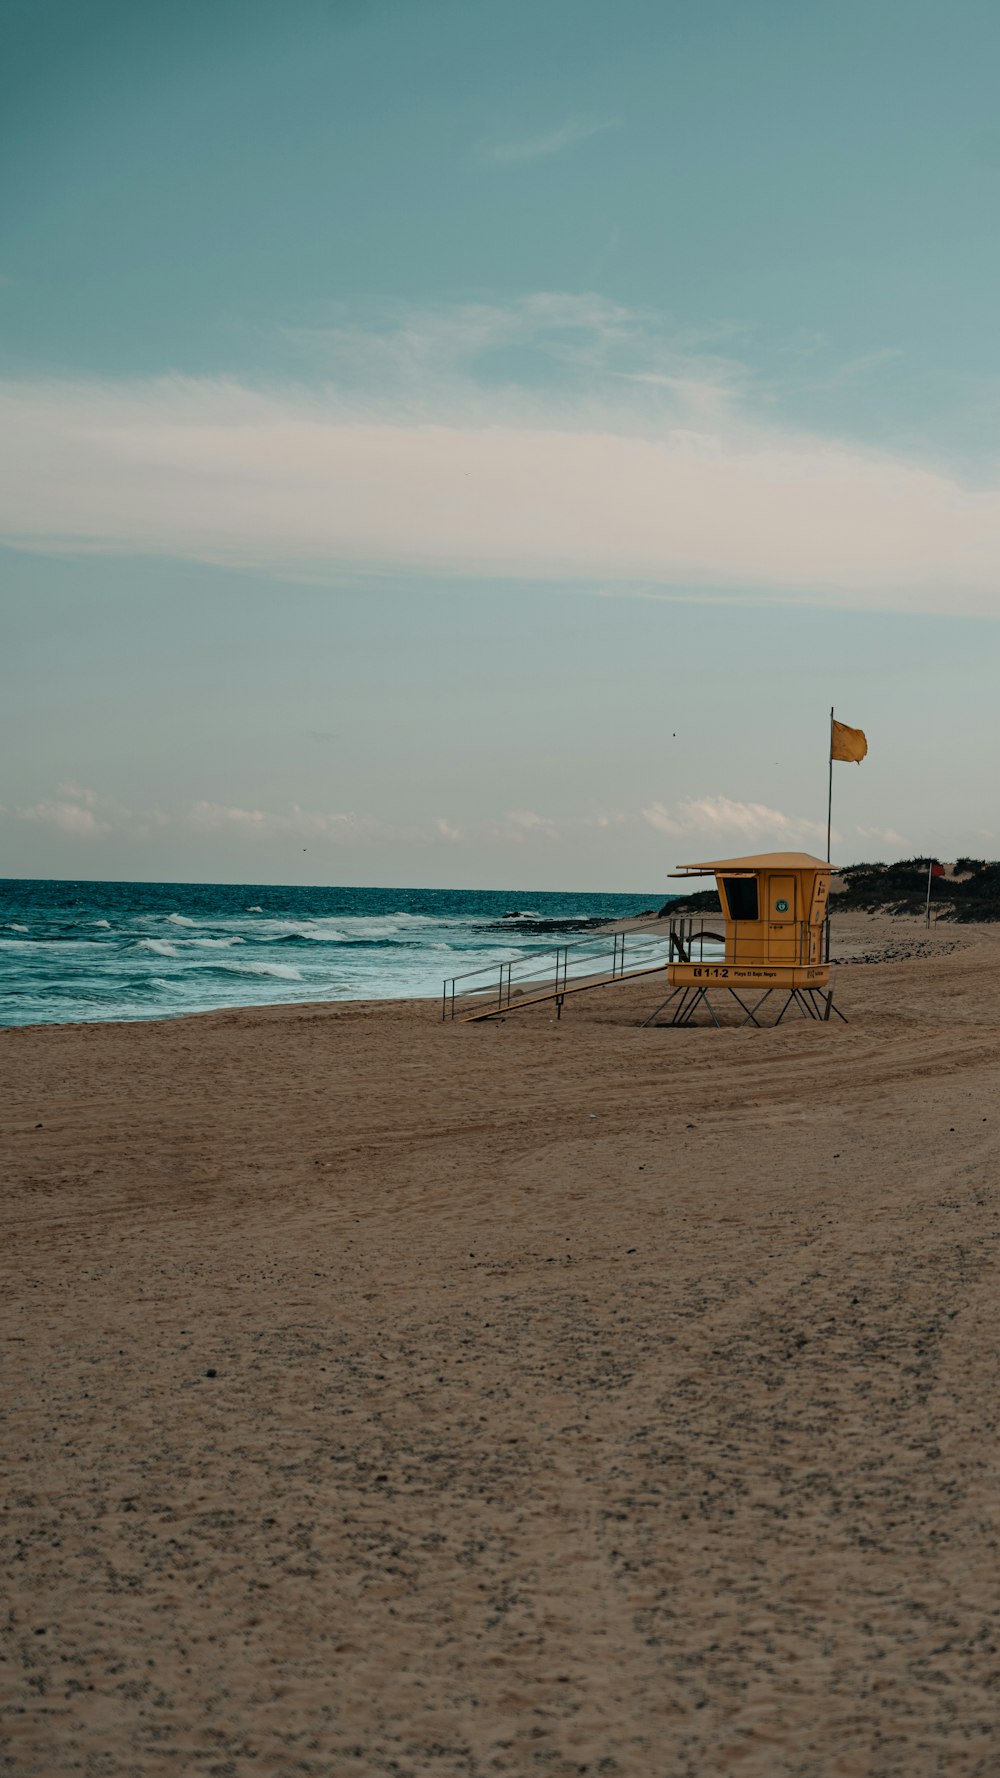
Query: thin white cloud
[[76, 811], [886, 835], [721, 815], [66, 818], [525, 821], [419, 363], [82, 813], [549, 142], [658, 815], [633, 469], [293, 822]]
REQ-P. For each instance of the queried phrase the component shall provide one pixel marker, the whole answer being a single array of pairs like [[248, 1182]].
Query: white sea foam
[[368, 949]]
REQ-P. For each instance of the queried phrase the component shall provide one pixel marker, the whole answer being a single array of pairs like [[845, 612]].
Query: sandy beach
[[386, 1397]]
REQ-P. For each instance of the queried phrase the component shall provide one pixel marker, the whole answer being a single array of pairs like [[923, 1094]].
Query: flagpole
[[829, 817], [829, 793], [930, 873]]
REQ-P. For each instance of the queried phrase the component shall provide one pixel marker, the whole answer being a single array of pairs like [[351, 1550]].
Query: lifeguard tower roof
[[774, 861]]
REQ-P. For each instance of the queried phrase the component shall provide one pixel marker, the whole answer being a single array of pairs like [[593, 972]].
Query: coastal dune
[[390, 1397]]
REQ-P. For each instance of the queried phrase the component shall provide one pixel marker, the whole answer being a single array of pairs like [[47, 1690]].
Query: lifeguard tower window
[[741, 896]]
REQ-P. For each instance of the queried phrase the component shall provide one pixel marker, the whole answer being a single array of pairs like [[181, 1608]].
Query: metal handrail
[[552, 972]]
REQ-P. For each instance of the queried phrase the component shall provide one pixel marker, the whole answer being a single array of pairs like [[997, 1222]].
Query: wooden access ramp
[[524, 997], [603, 961]]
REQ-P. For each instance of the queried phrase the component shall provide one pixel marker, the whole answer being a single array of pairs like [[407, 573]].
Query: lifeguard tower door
[[781, 916]]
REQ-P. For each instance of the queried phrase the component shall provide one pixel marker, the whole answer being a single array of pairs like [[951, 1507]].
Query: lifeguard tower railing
[[510, 983]]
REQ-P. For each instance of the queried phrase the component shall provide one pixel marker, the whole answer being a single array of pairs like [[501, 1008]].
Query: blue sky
[[463, 444]]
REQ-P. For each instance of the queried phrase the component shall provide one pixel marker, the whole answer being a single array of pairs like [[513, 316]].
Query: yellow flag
[[847, 743]]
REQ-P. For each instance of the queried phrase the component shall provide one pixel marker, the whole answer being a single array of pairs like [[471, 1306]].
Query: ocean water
[[83, 951]]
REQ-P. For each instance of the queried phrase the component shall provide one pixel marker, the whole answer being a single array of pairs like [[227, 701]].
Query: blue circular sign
[[781, 907]]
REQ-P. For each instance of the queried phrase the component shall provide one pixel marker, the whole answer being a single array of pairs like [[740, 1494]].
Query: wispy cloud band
[[81, 813], [668, 477], [721, 815], [548, 142]]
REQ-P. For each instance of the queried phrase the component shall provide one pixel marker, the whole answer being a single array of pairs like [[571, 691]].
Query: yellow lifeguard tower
[[774, 908]]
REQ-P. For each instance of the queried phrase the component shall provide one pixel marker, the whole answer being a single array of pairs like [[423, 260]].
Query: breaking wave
[[281, 971]]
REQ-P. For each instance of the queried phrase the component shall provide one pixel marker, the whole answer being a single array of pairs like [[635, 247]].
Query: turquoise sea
[[81, 951]]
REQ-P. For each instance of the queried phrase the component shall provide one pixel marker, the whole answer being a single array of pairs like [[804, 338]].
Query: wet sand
[[385, 1397]]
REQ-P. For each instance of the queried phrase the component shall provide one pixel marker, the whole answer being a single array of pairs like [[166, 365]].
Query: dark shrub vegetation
[[902, 889]]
